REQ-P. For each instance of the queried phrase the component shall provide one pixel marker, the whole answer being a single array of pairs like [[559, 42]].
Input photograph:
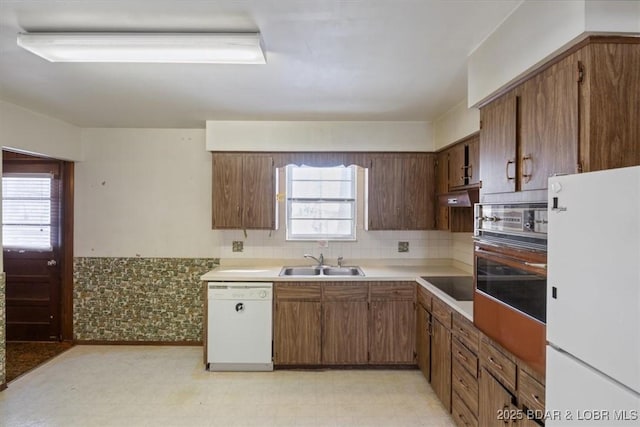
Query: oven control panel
[[516, 219]]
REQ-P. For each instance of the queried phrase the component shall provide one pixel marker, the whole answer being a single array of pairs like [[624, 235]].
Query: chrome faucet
[[320, 260], [340, 259]]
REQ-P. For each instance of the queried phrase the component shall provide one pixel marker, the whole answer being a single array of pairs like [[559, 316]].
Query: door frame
[[65, 318]]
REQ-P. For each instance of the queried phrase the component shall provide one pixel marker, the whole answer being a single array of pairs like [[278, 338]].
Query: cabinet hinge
[[579, 167], [580, 75], [480, 124], [368, 356], [368, 306]]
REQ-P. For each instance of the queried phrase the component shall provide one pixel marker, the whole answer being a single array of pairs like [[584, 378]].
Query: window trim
[[315, 237]]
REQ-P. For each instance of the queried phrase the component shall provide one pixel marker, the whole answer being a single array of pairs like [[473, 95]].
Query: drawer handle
[[494, 363], [463, 384], [463, 419], [462, 356], [463, 332], [537, 399]]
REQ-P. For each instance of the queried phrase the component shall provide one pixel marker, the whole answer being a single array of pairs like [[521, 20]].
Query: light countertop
[[373, 272]]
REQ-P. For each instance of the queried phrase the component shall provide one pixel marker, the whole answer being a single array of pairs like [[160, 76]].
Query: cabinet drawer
[[499, 365], [393, 291], [461, 414], [466, 332], [465, 385], [465, 357], [531, 392], [442, 312], [298, 291], [424, 297], [346, 292]]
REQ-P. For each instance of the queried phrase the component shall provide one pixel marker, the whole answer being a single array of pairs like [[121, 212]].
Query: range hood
[[460, 198]]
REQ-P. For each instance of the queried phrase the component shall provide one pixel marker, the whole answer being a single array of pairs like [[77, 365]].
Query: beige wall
[[455, 124], [30, 132], [319, 136], [535, 32], [144, 193]]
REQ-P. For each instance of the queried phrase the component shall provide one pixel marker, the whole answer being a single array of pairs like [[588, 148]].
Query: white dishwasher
[[239, 331]]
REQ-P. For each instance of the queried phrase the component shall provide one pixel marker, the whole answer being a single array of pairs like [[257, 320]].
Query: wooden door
[[494, 400], [227, 189], [258, 192], [549, 124], [32, 238], [457, 165], [385, 194], [391, 332], [441, 362], [297, 330], [423, 341], [498, 145], [473, 160], [442, 186], [419, 192]]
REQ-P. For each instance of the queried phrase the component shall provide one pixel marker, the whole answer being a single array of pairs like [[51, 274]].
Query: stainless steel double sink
[[321, 271]]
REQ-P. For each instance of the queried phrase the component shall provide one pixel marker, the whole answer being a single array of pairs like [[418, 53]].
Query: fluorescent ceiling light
[[204, 48]]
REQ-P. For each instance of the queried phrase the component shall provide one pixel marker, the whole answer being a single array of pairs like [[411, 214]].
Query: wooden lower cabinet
[[496, 404], [441, 362], [423, 341], [391, 332], [297, 323], [298, 337], [345, 320]]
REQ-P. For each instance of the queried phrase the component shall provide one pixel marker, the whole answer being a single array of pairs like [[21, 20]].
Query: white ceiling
[[326, 60]]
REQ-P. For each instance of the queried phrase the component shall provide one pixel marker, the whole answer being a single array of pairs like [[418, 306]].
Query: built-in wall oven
[[510, 255]]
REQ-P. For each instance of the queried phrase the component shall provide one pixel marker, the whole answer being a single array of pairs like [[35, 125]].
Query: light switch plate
[[237, 246], [403, 246]]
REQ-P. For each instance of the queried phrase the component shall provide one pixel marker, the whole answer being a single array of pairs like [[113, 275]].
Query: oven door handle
[[536, 265]]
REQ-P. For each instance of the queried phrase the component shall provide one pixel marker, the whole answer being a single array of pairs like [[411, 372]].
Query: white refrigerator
[[593, 299]]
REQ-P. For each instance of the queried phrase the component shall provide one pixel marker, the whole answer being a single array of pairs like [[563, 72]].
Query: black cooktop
[[457, 287]]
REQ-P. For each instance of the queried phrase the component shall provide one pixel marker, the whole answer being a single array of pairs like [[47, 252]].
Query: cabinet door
[[344, 332], [457, 165], [423, 341], [442, 186], [384, 191], [227, 190], [473, 160], [495, 402], [441, 362], [549, 124], [259, 194], [391, 332], [498, 145], [419, 201], [297, 332]]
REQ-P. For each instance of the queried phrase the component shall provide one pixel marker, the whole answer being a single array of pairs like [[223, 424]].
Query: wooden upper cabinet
[[442, 186], [227, 191], [243, 192], [385, 193], [457, 165], [549, 124], [401, 192], [473, 160], [610, 105], [419, 192], [259, 192], [498, 145]]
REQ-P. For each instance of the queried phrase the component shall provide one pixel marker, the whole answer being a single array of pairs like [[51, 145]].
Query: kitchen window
[[321, 203], [26, 211]]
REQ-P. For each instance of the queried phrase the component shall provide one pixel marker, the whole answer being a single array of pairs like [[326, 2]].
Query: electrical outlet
[[237, 246], [403, 246], [323, 243]]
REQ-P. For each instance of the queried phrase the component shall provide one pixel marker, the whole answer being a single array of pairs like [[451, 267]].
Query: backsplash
[[139, 299], [370, 245], [462, 247], [3, 350]]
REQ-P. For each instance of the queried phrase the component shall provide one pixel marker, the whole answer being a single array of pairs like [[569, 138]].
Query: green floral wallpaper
[[139, 299]]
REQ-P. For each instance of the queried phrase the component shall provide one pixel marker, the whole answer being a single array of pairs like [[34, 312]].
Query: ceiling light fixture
[[200, 48]]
